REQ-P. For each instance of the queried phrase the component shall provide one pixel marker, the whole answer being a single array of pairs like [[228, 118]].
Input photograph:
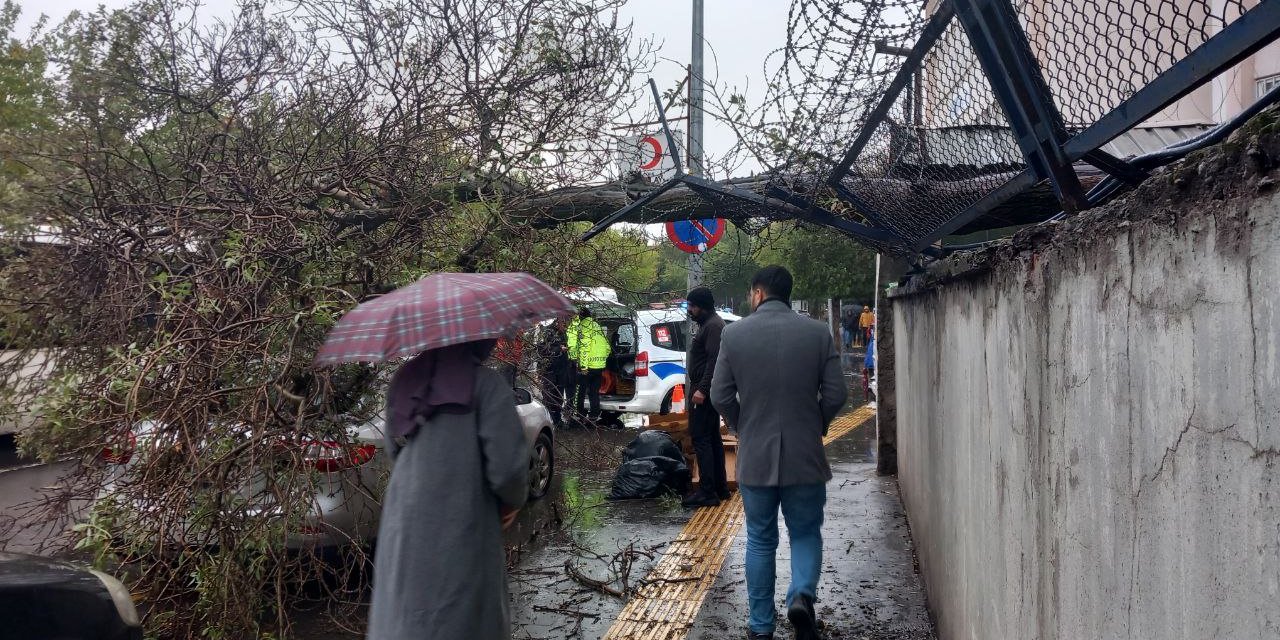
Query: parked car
[[43, 599], [352, 476], [647, 360]]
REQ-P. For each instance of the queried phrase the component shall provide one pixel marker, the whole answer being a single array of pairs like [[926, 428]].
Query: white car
[[351, 477], [647, 358]]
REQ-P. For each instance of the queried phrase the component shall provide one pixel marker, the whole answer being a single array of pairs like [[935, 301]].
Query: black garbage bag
[[650, 477], [652, 443]]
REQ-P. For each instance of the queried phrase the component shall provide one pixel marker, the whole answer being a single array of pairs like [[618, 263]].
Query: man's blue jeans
[[802, 507]]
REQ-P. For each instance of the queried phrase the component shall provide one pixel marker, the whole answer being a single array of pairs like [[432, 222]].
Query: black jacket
[[552, 353], [703, 353]]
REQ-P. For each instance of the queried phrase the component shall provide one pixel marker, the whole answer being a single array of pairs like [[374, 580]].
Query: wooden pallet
[[676, 425]]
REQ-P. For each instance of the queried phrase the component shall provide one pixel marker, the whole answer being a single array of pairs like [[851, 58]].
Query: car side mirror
[[523, 396]]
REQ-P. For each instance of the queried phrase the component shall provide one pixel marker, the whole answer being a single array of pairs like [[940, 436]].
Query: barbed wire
[[945, 142]]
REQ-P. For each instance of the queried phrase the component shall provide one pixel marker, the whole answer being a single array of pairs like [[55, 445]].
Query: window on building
[[1265, 85]]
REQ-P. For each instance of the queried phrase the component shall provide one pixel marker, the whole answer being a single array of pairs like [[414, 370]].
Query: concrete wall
[[1089, 417]]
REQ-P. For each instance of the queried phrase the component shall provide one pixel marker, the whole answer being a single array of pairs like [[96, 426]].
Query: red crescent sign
[[657, 152]]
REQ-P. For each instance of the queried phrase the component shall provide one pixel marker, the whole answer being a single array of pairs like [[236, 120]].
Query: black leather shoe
[[700, 499], [802, 618], [751, 635], [724, 495]]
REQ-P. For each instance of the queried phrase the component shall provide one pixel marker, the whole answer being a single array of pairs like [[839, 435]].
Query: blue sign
[[695, 236]]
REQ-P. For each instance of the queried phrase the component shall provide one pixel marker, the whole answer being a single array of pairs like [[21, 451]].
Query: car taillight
[[642, 364], [327, 456], [120, 454]]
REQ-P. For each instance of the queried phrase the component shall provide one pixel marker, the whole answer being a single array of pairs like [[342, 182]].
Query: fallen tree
[[594, 203]]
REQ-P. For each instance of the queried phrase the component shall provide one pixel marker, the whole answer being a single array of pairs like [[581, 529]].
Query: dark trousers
[[704, 429], [554, 383], [588, 388]]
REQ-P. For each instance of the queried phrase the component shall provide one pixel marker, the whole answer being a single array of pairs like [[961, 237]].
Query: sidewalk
[[869, 589]]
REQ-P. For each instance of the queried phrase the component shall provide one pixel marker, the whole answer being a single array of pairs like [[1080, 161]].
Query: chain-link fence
[[1007, 97], [941, 146], [1096, 54], [900, 122]]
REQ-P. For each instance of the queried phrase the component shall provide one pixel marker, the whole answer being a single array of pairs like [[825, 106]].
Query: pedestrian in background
[[460, 476], [869, 368], [589, 351], [555, 371], [778, 383], [865, 322], [848, 325], [704, 420]]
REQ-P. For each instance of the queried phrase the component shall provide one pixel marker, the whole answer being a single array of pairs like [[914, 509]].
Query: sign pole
[[695, 125]]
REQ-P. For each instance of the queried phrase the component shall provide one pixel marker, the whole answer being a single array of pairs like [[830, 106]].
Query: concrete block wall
[[1089, 418]]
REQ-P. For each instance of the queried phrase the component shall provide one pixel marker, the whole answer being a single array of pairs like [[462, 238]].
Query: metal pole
[[833, 323], [695, 125]]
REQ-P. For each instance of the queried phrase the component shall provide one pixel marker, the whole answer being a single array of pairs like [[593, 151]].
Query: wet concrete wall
[[1089, 416]]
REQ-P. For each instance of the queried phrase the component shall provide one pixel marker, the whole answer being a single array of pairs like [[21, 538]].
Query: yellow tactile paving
[[676, 587]]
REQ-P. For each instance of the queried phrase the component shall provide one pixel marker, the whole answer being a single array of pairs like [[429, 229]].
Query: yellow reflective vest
[[588, 346]]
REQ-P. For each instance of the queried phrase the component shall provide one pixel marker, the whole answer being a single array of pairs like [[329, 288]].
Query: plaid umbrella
[[440, 310]]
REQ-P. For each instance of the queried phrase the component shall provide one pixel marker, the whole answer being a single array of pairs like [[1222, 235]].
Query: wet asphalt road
[[22, 483], [869, 587]]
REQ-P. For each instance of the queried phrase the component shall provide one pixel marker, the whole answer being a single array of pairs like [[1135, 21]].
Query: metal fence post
[[1001, 47]]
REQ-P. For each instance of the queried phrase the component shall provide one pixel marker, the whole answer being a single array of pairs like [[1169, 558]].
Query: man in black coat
[[704, 420], [557, 374]]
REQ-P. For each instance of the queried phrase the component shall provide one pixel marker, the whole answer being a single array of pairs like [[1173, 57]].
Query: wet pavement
[[555, 589], [869, 587]]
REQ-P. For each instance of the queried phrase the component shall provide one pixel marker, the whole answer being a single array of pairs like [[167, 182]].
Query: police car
[[647, 358]]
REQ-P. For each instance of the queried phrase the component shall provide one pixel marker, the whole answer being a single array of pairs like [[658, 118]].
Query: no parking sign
[[695, 236]]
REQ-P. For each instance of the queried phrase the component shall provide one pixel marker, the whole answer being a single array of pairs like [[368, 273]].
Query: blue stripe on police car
[[664, 369]]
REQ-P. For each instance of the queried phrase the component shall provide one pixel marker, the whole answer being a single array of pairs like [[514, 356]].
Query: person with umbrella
[[461, 461]]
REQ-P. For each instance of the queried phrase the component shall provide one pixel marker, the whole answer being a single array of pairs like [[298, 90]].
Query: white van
[[647, 358]]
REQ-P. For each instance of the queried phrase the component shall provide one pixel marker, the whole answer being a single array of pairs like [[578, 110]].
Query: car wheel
[[666, 403], [542, 466]]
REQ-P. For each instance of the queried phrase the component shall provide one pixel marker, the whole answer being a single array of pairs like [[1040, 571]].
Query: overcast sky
[[740, 34]]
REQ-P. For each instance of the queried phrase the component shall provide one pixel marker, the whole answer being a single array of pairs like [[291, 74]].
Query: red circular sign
[[657, 152]]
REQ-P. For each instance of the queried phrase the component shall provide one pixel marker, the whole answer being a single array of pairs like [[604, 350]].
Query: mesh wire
[[832, 70], [1097, 53], [943, 145], [946, 141]]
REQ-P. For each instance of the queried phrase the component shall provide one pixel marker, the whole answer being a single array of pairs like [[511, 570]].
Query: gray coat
[[440, 569], [778, 384]]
